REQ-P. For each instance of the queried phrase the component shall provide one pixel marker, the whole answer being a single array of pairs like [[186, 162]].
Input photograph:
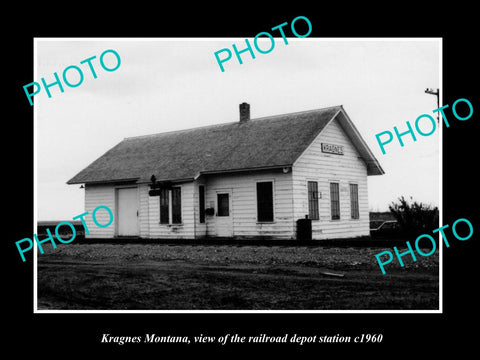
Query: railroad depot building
[[252, 178]]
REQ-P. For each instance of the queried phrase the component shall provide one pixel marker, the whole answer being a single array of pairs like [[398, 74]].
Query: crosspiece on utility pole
[[437, 94]]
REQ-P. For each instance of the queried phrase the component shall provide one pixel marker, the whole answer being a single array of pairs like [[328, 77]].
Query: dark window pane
[[177, 205], [354, 201], [163, 206], [265, 201], [313, 200], [201, 202], [335, 201], [223, 205]]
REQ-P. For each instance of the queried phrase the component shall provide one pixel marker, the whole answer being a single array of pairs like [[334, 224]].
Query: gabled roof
[[274, 141]]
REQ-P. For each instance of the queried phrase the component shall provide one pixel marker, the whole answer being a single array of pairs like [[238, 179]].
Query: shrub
[[413, 217]]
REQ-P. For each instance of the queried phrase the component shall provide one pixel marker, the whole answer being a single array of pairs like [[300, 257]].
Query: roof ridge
[[299, 112], [231, 123]]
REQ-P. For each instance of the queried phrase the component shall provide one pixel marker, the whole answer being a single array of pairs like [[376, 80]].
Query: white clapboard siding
[[244, 204], [185, 230], [314, 165], [96, 195], [143, 211]]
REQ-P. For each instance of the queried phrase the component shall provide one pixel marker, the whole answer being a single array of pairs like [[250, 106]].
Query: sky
[[171, 84]]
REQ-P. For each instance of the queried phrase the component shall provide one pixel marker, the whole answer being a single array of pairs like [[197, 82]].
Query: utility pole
[[437, 93]]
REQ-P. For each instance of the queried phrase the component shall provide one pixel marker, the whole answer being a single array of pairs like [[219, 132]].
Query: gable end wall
[[314, 165]]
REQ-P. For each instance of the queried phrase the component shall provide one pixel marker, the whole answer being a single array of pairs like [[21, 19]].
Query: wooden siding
[[150, 209], [144, 211], [314, 165], [244, 204], [148, 213], [96, 195], [290, 198]]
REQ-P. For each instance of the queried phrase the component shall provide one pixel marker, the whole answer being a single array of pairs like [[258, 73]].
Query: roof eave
[[73, 181], [179, 180], [373, 165], [260, 168], [374, 168]]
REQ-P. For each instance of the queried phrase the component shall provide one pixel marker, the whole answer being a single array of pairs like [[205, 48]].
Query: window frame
[[335, 201], [263, 221], [201, 203], [354, 202], [176, 217], [169, 203], [218, 204], [164, 197], [313, 200]]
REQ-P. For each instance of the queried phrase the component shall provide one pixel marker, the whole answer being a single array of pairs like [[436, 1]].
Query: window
[[171, 206], [201, 202], [313, 200], [335, 201], [223, 204], [354, 201], [164, 201], [265, 201], [176, 205]]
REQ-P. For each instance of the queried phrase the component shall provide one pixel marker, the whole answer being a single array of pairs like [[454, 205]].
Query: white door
[[127, 212], [223, 214]]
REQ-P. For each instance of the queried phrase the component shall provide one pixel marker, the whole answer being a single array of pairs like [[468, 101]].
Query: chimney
[[244, 112]]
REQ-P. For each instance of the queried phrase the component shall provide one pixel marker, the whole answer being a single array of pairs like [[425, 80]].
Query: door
[[223, 215], [127, 212]]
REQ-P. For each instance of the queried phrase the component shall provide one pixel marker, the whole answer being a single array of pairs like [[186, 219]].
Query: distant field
[[230, 277]]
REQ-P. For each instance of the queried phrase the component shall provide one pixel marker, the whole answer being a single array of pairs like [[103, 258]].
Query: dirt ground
[[231, 277]]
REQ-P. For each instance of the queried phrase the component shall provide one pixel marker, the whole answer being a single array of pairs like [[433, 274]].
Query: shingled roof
[[275, 141]]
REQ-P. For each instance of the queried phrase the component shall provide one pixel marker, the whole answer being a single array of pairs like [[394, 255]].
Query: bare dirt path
[[164, 277]]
